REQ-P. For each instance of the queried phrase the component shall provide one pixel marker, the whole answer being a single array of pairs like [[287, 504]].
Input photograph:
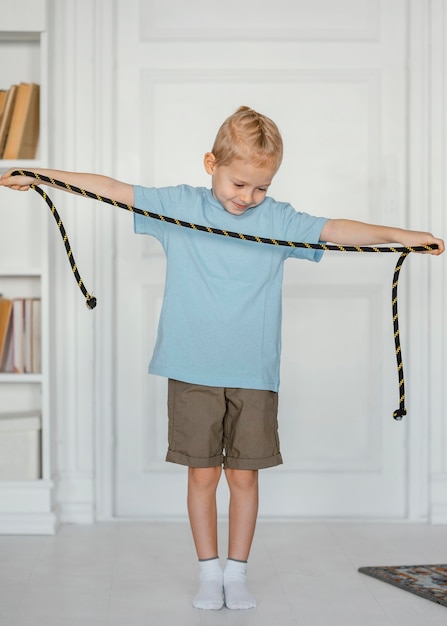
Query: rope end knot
[[90, 302], [399, 414]]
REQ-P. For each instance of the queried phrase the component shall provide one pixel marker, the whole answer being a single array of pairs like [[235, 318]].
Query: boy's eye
[[238, 185]]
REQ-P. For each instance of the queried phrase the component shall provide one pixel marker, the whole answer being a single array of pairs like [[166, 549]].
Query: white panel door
[[331, 73]]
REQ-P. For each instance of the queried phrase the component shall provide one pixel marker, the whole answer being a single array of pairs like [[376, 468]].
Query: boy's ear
[[209, 161]]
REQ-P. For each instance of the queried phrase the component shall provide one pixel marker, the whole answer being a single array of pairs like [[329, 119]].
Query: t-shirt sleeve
[[160, 201], [147, 199], [303, 228]]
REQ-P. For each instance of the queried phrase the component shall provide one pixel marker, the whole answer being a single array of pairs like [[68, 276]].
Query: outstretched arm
[[97, 184], [352, 233]]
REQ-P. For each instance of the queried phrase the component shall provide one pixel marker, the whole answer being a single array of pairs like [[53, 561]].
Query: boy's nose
[[246, 197]]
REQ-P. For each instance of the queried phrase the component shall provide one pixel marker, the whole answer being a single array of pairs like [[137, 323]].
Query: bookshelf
[[26, 505]]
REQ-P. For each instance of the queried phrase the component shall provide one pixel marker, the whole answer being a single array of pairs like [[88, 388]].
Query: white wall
[[83, 95]]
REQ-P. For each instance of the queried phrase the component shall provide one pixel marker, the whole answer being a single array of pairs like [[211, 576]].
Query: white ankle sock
[[237, 595], [210, 594]]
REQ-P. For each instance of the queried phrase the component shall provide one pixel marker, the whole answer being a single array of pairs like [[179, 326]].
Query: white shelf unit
[[26, 507]]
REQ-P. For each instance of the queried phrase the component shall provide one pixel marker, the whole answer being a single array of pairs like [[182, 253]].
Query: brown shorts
[[211, 426]]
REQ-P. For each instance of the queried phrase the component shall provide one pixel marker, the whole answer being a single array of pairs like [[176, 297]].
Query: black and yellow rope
[[91, 300]]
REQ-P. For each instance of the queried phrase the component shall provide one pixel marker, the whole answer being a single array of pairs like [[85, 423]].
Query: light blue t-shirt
[[220, 324]]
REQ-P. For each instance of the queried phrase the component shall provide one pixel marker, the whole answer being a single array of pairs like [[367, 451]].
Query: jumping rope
[[91, 302]]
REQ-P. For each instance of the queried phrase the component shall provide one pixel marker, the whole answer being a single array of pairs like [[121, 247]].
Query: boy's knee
[[204, 477], [241, 479]]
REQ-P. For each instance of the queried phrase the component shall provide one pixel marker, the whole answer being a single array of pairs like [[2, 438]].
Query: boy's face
[[239, 186]]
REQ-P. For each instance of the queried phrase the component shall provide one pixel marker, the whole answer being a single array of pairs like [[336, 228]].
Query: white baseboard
[[28, 524]]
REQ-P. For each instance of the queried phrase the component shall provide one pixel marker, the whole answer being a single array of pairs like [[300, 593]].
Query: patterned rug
[[427, 581]]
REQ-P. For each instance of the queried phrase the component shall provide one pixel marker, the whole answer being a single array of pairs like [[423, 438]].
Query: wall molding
[[426, 208], [74, 495], [74, 82], [438, 278], [272, 23], [105, 227]]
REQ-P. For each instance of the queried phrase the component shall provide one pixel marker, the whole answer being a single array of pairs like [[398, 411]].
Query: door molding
[[427, 104]]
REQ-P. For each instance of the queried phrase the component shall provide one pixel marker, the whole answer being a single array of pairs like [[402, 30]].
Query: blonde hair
[[248, 135]]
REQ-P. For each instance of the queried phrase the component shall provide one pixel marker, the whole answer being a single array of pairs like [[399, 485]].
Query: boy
[[219, 331]]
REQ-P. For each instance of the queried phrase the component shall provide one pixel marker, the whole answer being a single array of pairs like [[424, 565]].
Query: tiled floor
[[144, 574]]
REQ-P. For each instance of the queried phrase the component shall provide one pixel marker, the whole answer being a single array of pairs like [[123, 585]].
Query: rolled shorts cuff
[[183, 459], [252, 464]]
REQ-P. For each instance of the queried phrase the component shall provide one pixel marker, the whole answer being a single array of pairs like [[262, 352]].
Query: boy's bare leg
[[243, 513], [202, 510]]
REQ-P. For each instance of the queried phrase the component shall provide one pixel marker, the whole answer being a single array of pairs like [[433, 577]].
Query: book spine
[[19, 336]]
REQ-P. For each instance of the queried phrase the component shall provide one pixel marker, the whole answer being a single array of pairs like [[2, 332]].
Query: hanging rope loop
[[91, 301]]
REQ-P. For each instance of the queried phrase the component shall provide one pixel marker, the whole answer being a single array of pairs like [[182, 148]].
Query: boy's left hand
[[412, 239]]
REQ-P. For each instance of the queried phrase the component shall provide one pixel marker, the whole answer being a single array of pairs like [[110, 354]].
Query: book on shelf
[[22, 352], [5, 326], [2, 102], [18, 335], [5, 122], [6, 362], [23, 132], [36, 336]]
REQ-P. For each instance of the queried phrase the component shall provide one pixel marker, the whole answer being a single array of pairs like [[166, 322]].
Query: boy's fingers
[[440, 249], [15, 182], [441, 246]]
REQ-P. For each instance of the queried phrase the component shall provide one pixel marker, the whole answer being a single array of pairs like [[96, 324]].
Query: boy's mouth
[[240, 207]]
